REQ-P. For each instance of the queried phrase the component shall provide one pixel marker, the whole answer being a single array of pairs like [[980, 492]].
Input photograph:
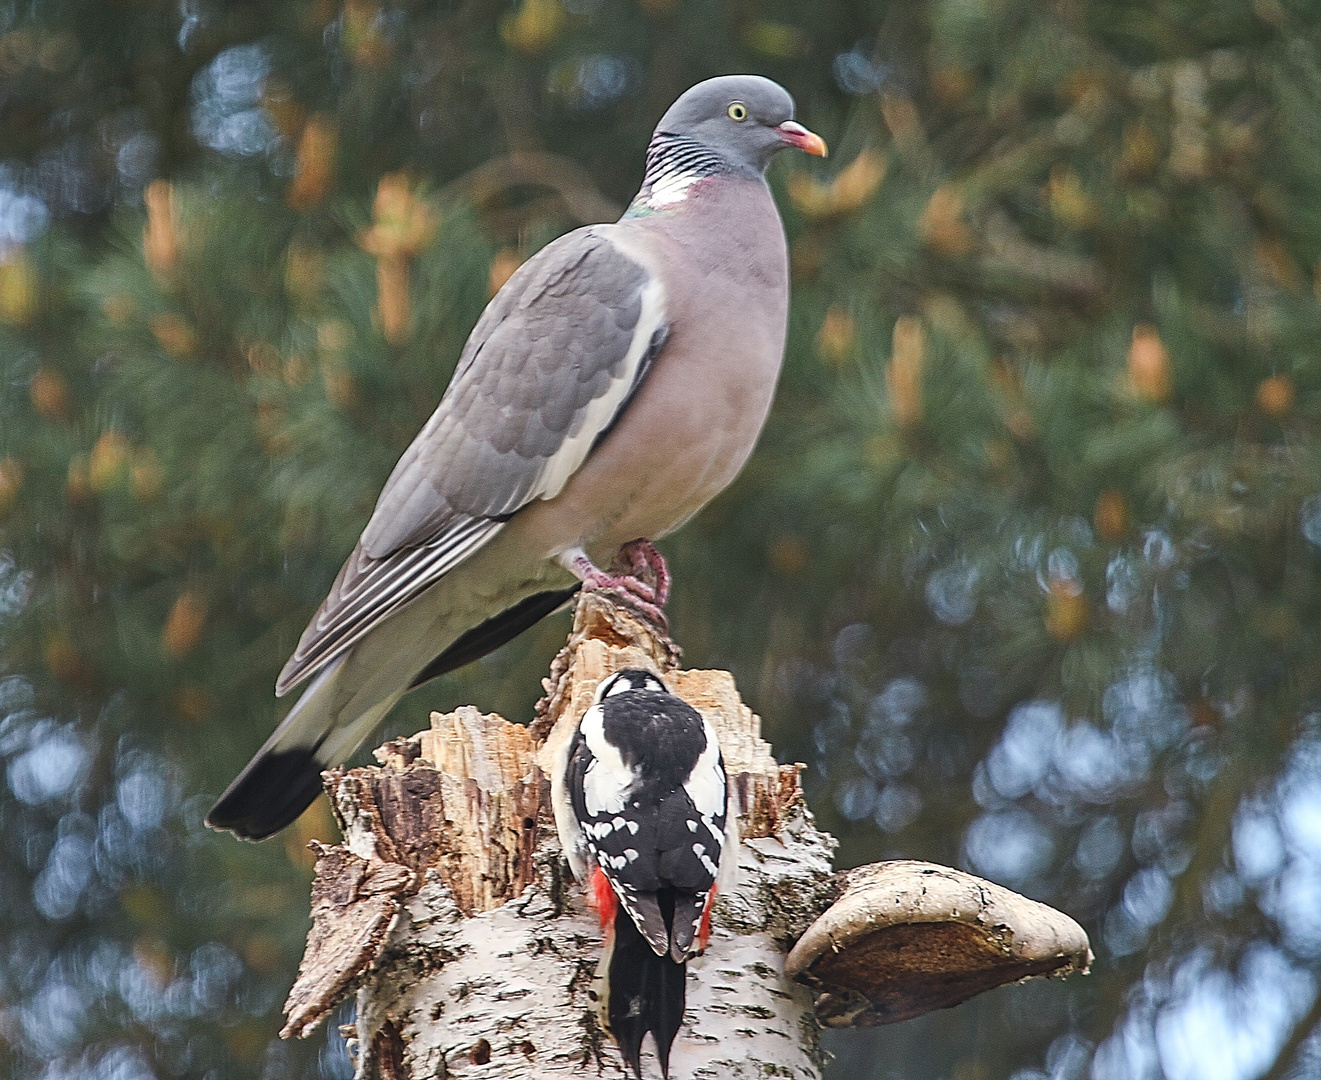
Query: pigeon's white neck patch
[[669, 189]]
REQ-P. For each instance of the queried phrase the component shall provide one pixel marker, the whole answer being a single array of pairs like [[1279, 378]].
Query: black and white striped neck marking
[[674, 165]]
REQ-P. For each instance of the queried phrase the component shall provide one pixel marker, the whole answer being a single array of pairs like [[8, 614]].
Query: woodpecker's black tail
[[646, 994]]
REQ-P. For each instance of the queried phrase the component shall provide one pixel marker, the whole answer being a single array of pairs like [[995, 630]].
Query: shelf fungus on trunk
[[450, 910], [907, 937]]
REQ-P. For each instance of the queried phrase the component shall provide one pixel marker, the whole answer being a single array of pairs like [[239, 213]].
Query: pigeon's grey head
[[745, 119]]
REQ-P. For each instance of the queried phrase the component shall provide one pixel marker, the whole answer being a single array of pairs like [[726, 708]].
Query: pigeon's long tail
[[647, 994], [284, 777], [347, 701]]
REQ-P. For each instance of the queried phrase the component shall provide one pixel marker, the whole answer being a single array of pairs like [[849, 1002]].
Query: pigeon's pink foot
[[626, 583], [640, 557]]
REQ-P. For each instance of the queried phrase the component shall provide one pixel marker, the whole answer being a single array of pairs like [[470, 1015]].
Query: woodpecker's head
[[628, 681]]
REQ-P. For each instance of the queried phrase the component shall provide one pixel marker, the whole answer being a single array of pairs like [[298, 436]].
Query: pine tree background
[[1027, 566]]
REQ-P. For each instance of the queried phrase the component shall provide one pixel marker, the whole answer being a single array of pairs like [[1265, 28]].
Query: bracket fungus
[[907, 937]]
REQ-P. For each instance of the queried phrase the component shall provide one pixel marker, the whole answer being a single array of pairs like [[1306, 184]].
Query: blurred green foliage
[[1027, 567]]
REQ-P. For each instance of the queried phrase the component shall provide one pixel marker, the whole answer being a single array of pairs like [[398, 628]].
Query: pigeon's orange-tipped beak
[[797, 135]]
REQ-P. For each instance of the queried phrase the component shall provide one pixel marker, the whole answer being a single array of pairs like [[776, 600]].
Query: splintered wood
[[450, 910], [355, 905], [462, 798], [460, 801]]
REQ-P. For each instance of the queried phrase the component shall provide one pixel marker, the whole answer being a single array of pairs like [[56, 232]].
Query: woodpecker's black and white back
[[640, 803]]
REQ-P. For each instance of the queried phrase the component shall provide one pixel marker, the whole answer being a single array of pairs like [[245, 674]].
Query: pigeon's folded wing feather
[[546, 372]]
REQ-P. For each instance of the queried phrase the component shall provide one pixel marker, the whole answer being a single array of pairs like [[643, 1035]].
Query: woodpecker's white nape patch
[[625, 681]]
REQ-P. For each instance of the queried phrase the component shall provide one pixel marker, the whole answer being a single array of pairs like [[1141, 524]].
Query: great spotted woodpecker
[[640, 804]]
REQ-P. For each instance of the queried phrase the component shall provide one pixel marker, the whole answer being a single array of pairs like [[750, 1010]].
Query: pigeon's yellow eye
[[738, 111]]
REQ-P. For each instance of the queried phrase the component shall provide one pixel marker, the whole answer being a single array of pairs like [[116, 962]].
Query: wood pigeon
[[614, 385]]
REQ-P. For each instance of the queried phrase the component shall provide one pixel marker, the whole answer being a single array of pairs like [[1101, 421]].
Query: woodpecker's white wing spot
[[692, 825], [630, 854]]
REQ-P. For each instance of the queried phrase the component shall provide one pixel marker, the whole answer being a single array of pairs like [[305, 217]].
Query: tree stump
[[450, 909]]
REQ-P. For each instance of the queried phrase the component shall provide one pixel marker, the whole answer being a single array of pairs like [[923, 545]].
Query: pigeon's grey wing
[[546, 372]]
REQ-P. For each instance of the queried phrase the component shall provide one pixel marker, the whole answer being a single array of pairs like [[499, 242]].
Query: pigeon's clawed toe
[[628, 580], [642, 562]]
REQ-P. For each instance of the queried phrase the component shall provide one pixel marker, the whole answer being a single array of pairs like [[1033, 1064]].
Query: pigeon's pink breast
[[722, 261]]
